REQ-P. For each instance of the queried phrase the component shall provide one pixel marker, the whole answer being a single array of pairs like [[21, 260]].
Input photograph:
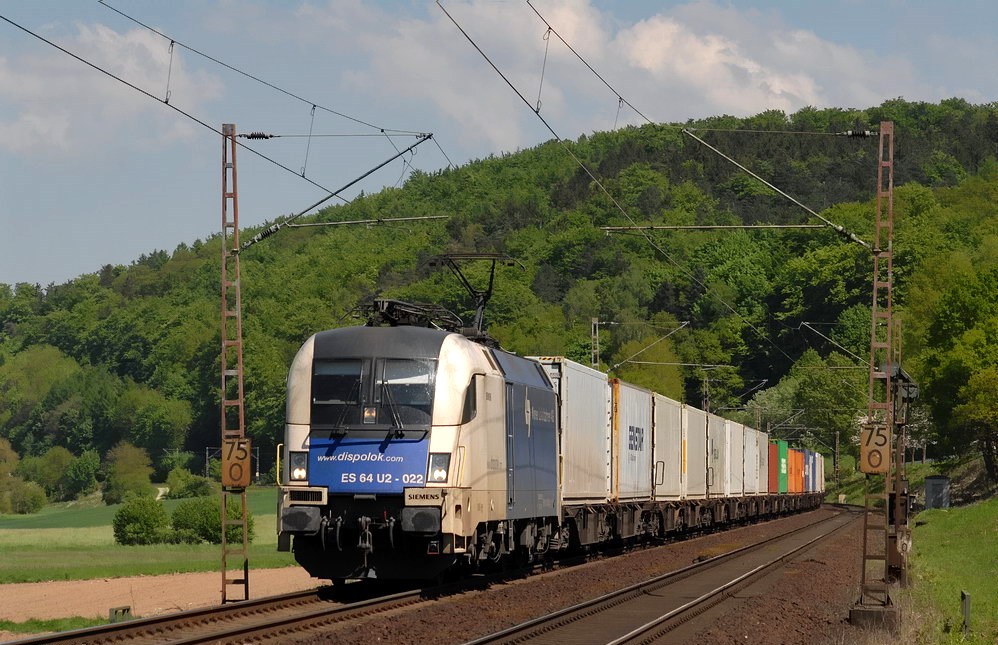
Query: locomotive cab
[[373, 455]]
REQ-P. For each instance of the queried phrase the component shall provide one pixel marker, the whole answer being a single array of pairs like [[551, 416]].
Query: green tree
[[128, 469], [81, 476], [977, 415], [149, 420], [49, 471], [8, 480], [26, 497], [8, 459]]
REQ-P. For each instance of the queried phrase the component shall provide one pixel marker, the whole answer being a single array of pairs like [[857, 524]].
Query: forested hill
[[131, 352]]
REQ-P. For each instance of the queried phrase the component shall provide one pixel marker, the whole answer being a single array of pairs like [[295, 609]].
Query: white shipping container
[[694, 453], [668, 442], [718, 457], [586, 446], [632, 441], [751, 461], [736, 435], [763, 441]]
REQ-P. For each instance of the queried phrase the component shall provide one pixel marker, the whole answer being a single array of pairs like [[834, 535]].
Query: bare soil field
[[146, 595]]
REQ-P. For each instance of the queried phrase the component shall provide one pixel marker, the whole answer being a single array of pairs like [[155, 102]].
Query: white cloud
[[693, 60], [55, 105]]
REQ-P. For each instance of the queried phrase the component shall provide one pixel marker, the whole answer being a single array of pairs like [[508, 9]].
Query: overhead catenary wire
[[759, 333], [835, 227], [687, 131], [275, 227], [388, 133], [251, 76], [839, 346], [603, 189], [621, 100], [649, 346], [159, 100], [378, 220]]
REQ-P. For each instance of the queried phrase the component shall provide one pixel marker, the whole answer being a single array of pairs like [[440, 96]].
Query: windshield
[[336, 392], [405, 391], [397, 393]]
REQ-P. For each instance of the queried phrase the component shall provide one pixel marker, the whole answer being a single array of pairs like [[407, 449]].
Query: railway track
[[253, 620], [645, 612], [282, 618]]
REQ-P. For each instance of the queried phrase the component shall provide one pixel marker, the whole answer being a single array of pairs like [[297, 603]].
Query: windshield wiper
[[346, 404], [398, 431]]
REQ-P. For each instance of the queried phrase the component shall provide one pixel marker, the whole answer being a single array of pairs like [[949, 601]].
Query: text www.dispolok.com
[[367, 456]]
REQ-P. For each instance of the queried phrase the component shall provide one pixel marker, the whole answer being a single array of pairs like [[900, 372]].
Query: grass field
[[952, 550], [76, 542], [852, 485]]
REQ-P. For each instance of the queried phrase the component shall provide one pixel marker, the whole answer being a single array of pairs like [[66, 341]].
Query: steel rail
[[255, 618], [179, 620], [667, 622], [547, 623]]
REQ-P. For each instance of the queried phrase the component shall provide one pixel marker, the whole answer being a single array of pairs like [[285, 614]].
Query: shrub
[[128, 473], [183, 483], [26, 497], [141, 520], [200, 520]]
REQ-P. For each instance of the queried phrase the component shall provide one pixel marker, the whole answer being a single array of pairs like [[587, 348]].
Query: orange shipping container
[[795, 476]]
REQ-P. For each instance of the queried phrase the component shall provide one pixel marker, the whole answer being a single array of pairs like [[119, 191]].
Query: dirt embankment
[[146, 595]]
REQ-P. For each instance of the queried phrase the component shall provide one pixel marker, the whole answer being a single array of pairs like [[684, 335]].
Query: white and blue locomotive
[[410, 451]]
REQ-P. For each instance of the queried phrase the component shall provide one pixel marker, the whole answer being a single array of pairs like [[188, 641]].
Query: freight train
[[411, 451]]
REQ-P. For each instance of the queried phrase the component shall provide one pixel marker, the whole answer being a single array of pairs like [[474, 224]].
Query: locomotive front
[[370, 441]]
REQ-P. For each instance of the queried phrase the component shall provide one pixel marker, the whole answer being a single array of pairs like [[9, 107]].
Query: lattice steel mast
[[235, 446]]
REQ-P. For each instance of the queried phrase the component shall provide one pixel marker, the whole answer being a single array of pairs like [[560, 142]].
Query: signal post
[[236, 448], [886, 538]]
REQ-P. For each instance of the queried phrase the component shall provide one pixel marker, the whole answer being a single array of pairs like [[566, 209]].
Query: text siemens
[[366, 456]]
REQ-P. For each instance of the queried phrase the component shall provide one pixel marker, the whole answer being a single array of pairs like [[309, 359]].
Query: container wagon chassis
[[384, 538]]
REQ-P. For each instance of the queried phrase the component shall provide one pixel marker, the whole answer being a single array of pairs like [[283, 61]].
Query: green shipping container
[[781, 450]]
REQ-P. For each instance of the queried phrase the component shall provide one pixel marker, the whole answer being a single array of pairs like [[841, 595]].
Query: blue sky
[[93, 173]]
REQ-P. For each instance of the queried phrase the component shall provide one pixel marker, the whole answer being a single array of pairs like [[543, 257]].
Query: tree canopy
[[131, 353]]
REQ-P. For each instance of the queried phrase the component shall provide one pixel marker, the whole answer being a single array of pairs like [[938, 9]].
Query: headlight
[[439, 465], [298, 466]]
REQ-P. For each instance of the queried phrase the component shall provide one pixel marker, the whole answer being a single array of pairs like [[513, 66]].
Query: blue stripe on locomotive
[[531, 439], [368, 464]]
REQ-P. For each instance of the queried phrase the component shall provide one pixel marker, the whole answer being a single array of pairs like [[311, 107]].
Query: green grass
[[76, 542], [92, 513], [952, 550], [853, 483], [36, 626]]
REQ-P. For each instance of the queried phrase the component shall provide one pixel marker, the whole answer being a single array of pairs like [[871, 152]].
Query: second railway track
[[644, 612]]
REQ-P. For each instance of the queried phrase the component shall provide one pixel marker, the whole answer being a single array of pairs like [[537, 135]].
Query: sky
[[93, 172]]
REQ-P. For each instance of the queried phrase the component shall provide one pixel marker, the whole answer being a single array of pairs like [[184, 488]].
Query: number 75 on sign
[[875, 450]]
